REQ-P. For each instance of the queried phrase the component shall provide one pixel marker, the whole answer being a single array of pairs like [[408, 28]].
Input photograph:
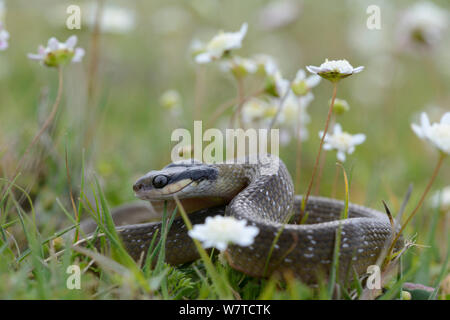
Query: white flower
[[422, 26], [334, 70], [295, 109], [441, 199], [342, 141], [196, 47], [276, 85], [171, 100], [254, 110], [239, 66], [266, 64], [340, 106], [302, 84], [221, 43], [57, 53], [4, 37], [258, 113], [437, 133], [220, 231], [292, 105]]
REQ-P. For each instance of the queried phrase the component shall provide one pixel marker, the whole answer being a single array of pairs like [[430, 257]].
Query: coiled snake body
[[261, 192]]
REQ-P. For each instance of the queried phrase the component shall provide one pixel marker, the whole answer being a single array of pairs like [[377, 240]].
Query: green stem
[[322, 160], [330, 111], [241, 100], [298, 162], [336, 178], [419, 205], [215, 277]]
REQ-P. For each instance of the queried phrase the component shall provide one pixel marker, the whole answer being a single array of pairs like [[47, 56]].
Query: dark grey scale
[[179, 246]]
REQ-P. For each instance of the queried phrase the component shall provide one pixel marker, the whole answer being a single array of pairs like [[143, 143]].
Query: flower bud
[[171, 100], [340, 106], [300, 88]]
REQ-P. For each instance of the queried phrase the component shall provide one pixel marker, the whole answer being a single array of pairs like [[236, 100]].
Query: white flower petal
[[438, 134], [358, 69], [343, 142], [53, 44], [358, 138], [34, 56], [204, 57], [219, 231], [313, 81], [313, 69], [445, 118], [341, 156], [4, 35], [301, 75], [71, 42], [417, 130], [243, 30], [41, 50], [334, 70], [337, 129], [424, 122], [79, 54]]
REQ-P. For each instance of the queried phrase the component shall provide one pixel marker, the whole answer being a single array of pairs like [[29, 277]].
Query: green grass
[[116, 275], [99, 144]]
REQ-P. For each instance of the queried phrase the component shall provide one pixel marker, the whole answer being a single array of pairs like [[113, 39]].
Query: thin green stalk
[[80, 204], [311, 182], [241, 100], [298, 158], [336, 179], [217, 280], [322, 160], [280, 108], [337, 245], [419, 205]]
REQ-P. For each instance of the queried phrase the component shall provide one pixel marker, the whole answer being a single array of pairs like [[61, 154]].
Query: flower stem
[[322, 160], [422, 199], [298, 158], [336, 178], [280, 108], [241, 100], [220, 283], [330, 111]]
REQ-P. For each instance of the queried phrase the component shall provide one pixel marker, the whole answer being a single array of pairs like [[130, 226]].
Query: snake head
[[185, 179]]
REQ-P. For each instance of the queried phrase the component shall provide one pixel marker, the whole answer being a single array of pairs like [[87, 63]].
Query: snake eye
[[160, 181]]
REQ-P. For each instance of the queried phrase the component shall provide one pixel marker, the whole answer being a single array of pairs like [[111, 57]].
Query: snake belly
[[266, 201]]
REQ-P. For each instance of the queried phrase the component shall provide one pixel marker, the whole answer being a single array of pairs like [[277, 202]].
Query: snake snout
[[137, 186], [140, 184]]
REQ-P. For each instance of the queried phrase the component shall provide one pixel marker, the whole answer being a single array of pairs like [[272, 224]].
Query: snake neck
[[268, 194]]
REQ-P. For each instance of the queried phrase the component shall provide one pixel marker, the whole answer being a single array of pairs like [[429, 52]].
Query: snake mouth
[[164, 193]]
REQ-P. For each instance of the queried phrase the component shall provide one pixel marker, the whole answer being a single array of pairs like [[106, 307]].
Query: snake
[[260, 191]]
